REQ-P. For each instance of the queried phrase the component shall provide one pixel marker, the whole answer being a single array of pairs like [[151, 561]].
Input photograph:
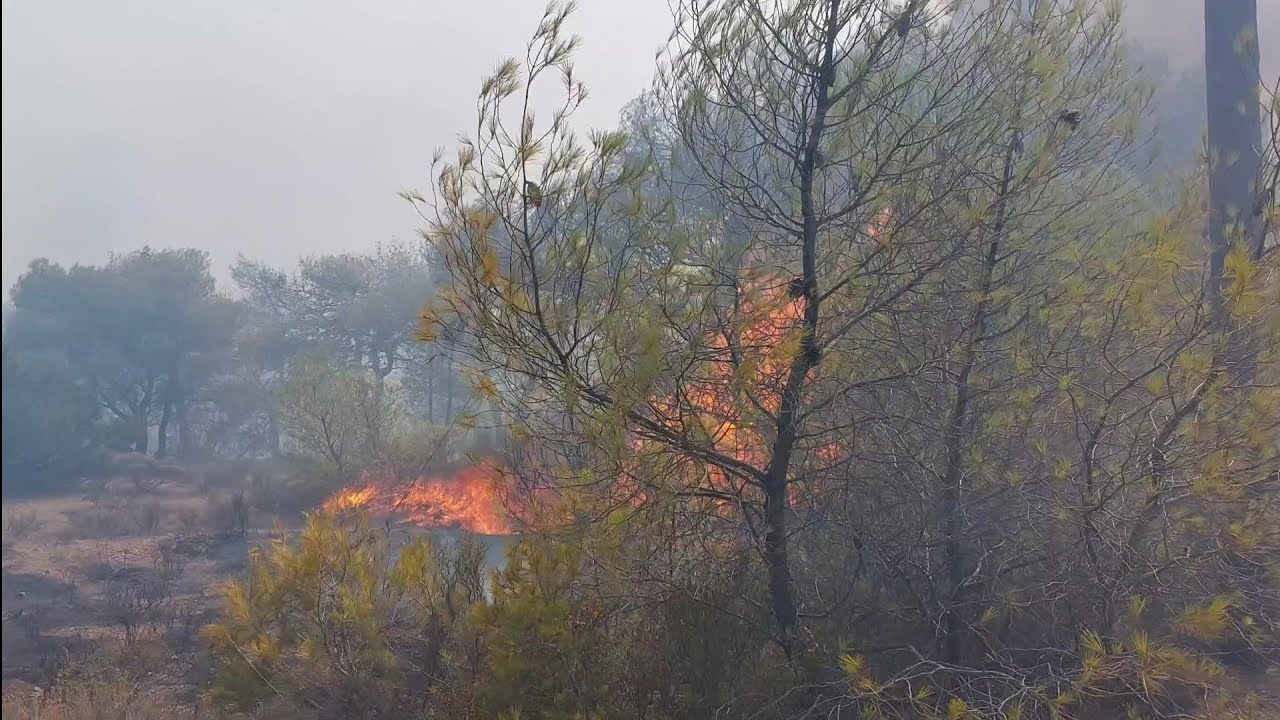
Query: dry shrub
[[95, 690], [231, 515], [116, 517], [20, 524], [285, 496], [169, 564], [90, 701], [182, 621], [188, 519], [266, 494], [109, 684], [135, 604]]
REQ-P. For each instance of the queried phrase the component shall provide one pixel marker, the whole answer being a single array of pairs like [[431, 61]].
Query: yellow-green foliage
[[1209, 621], [90, 701], [325, 617], [545, 637]]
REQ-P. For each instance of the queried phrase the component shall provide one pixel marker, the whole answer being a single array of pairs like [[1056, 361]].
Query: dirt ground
[[123, 574], [122, 566]]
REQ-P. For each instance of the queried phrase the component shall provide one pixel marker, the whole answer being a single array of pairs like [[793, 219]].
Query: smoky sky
[[279, 128], [270, 127]]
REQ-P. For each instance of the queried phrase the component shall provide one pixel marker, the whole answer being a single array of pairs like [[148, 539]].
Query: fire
[[467, 499], [731, 402], [736, 396], [731, 399]]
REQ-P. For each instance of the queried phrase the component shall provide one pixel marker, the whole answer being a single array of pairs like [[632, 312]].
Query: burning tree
[[977, 398]]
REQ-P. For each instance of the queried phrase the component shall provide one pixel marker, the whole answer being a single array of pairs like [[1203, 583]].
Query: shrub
[[116, 516], [169, 564], [89, 701], [341, 621], [20, 524], [231, 515], [135, 603], [188, 519]]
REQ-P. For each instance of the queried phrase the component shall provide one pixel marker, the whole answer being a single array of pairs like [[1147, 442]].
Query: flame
[[732, 401], [468, 499], [740, 390], [741, 385]]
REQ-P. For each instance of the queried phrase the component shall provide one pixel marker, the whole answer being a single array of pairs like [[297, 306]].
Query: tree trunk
[[138, 427], [1235, 131], [431, 390], [380, 371], [448, 392], [781, 589], [186, 439], [162, 433], [961, 412], [273, 433]]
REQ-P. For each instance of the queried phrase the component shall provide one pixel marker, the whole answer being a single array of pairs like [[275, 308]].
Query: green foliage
[[1012, 401], [860, 375], [344, 622], [546, 640], [49, 423], [337, 417], [113, 349]]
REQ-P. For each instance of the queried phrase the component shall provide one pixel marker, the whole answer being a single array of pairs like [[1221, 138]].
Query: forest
[[889, 359]]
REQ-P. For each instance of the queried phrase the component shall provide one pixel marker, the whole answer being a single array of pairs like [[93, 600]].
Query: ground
[[125, 574], [125, 569]]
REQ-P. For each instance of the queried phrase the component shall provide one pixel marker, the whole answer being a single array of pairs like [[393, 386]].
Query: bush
[[169, 564], [337, 417], [188, 519], [135, 603], [343, 622], [548, 644], [231, 515], [116, 516], [90, 701], [20, 524]]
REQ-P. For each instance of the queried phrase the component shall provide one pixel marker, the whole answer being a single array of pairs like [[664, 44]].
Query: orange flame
[[744, 380], [468, 500], [731, 401]]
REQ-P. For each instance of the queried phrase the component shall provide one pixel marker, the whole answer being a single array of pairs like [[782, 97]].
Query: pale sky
[[285, 127], [269, 127]]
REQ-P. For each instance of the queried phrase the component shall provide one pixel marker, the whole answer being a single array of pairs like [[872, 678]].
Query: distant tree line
[[146, 354]]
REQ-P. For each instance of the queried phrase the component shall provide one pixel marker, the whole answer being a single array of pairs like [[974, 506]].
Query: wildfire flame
[[467, 499], [742, 385], [744, 380]]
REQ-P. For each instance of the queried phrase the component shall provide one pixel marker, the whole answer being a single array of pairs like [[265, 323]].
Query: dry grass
[[82, 572], [20, 523], [91, 701]]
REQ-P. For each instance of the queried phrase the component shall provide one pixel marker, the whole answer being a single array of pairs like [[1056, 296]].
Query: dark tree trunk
[[1231, 63], [138, 429], [162, 433], [781, 588], [273, 433], [961, 413], [448, 391], [431, 390], [1232, 80], [186, 439]]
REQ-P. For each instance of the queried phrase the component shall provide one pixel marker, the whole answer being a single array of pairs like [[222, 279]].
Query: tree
[[1237, 195], [360, 309], [141, 334], [926, 364], [1241, 191], [49, 422], [547, 647], [335, 417]]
